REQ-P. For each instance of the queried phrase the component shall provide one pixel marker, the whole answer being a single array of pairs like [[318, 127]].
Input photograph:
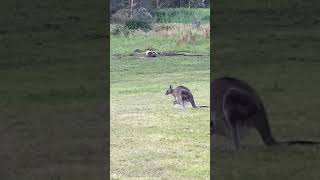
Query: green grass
[[157, 43], [271, 49], [52, 100], [150, 138], [183, 15]]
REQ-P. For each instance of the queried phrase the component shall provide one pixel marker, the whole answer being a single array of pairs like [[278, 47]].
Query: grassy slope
[[52, 100], [276, 50], [149, 137]]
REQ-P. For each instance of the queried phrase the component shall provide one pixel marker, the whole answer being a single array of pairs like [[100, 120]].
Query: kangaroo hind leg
[[233, 123], [235, 135]]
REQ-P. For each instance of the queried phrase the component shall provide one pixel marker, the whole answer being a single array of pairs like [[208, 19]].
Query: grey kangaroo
[[235, 105], [182, 95]]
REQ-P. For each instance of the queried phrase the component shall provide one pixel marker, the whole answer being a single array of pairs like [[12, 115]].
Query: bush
[[120, 29], [134, 24], [142, 14], [141, 19], [121, 16]]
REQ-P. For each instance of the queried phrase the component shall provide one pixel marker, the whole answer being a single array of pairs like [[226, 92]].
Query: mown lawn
[[151, 138]]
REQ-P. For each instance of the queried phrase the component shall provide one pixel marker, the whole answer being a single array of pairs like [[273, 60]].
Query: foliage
[[139, 19], [184, 3], [116, 5], [141, 14], [182, 15], [121, 16], [119, 29], [155, 4], [134, 24]]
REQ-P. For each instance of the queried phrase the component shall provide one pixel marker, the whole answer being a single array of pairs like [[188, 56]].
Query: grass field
[[150, 137], [276, 49], [53, 90]]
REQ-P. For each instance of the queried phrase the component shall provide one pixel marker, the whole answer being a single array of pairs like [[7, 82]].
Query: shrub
[[120, 29], [138, 24], [121, 16], [140, 19], [142, 14]]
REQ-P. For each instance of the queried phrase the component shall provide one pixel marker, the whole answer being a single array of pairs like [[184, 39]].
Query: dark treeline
[[151, 4]]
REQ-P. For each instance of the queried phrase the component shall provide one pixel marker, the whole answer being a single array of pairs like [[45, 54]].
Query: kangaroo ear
[[170, 87]]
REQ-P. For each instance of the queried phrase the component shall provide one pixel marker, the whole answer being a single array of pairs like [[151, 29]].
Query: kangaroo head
[[169, 91]]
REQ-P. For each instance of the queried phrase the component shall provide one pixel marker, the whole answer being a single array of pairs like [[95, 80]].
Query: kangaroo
[[235, 105], [181, 95]]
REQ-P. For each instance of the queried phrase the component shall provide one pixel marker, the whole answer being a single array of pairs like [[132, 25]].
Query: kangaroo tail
[[193, 103], [203, 106], [300, 142]]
